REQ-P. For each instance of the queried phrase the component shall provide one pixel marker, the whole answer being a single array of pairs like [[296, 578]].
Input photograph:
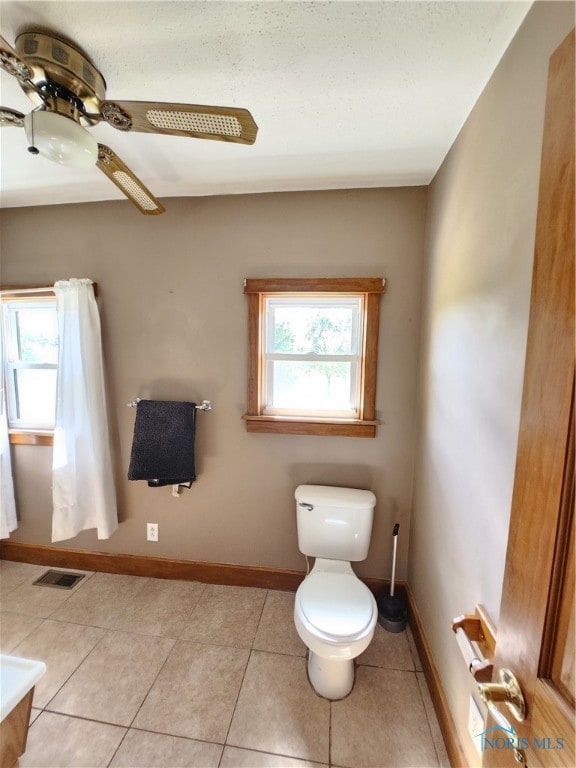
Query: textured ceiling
[[345, 94]]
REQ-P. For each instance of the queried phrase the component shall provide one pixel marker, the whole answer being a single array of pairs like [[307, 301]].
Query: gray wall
[[480, 244], [175, 326]]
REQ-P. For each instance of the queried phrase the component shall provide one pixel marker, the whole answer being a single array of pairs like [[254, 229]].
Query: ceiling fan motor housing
[[68, 81]]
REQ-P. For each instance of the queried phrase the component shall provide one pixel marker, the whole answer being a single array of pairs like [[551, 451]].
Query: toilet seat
[[336, 606]]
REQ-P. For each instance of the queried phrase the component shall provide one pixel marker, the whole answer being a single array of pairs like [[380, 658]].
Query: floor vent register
[[59, 579]]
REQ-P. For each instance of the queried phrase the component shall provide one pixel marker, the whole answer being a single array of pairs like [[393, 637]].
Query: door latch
[[508, 691]]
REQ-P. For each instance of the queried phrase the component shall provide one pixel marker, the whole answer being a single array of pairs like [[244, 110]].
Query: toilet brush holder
[[392, 612], [392, 608]]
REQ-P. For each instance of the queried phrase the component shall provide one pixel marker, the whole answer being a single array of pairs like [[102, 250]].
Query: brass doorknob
[[507, 690]]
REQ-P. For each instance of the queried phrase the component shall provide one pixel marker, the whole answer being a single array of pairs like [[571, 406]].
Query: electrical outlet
[[476, 724], [152, 531]]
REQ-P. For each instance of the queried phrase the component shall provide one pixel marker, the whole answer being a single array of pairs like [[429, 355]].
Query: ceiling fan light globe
[[61, 139]]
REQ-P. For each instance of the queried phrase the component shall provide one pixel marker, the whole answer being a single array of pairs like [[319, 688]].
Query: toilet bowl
[[335, 615]]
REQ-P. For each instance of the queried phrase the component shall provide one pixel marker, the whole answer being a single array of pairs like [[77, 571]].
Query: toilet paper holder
[[476, 637]]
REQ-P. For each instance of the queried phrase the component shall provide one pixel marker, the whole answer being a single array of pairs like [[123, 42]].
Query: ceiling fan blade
[[191, 120], [118, 172], [10, 116], [12, 63]]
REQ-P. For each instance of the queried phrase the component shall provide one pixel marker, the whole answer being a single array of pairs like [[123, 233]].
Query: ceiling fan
[[69, 94]]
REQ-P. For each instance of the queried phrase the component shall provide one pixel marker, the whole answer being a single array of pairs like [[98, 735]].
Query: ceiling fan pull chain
[[32, 149]]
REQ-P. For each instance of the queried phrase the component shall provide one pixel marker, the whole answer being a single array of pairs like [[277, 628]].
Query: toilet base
[[331, 678]]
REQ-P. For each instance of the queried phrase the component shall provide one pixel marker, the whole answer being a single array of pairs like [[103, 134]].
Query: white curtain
[[8, 521], [83, 484]]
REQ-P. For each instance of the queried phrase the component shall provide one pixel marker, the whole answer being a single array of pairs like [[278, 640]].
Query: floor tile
[[234, 757], [226, 616], [388, 649], [382, 723], [437, 738], [13, 574], [142, 749], [57, 741], [34, 601], [161, 607], [62, 647], [276, 692], [101, 600], [112, 682], [14, 627], [276, 631], [154, 673], [195, 694]]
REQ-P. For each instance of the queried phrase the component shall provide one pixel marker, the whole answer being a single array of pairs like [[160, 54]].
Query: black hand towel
[[163, 443]]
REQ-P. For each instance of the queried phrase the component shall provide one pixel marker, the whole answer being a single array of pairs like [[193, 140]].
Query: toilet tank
[[334, 523]]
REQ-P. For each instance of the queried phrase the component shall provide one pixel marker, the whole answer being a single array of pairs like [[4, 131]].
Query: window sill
[[27, 437], [283, 425]]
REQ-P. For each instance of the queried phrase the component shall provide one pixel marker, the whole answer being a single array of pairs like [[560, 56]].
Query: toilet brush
[[392, 609]]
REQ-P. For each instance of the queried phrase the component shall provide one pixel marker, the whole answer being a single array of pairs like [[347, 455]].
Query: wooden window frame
[[18, 436], [30, 437], [371, 288]]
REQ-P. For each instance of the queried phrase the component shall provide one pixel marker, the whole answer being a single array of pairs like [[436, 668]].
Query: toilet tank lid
[[330, 495]]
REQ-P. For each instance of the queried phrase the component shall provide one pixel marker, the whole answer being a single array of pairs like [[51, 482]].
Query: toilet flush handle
[[306, 505]]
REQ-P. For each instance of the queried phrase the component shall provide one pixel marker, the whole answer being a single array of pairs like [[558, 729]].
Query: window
[[313, 353], [30, 358]]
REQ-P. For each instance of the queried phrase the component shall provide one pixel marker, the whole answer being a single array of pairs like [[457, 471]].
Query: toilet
[[334, 612]]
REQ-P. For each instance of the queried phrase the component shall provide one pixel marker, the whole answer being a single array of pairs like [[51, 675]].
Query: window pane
[[36, 389], [314, 329], [318, 386], [38, 335]]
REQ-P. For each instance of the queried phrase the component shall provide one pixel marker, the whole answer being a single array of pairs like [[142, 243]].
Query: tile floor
[[150, 673]]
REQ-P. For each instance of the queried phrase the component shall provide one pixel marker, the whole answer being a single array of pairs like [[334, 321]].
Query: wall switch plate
[[152, 531], [476, 724]]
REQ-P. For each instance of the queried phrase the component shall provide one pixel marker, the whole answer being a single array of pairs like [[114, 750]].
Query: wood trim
[[275, 425], [254, 357], [312, 419], [32, 287], [30, 438], [153, 567], [447, 726], [370, 356], [23, 294], [256, 421], [561, 604], [165, 568], [315, 285], [552, 717]]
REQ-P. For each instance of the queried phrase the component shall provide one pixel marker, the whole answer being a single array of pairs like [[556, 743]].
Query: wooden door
[[535, 637]]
